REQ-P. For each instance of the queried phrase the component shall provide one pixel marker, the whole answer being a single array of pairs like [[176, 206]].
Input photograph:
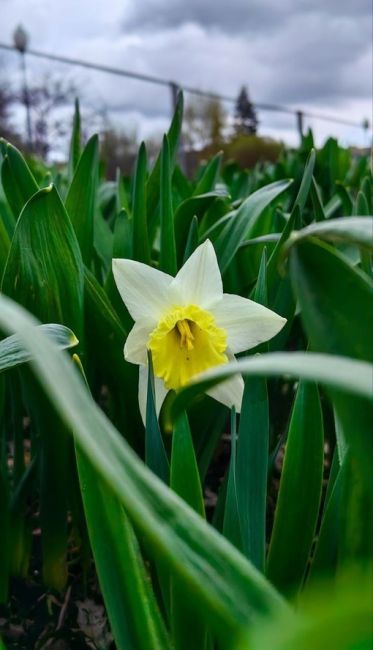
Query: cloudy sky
[[310, 54]]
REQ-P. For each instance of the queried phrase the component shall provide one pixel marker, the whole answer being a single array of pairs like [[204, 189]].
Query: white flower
[[189, 324]]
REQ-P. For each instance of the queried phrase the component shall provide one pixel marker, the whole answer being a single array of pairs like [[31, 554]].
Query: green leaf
[[75, 142], [122, 249], [173, 135], [325, 557], [181, 183], [252, 469], [299, 494], [317, 202], [354, 230], [17, 179], [237, 228], [367, 189], [355, 522], [332, 206], [167, 258], [44, 270], [194, 206], [12, 353], [141, 249], [129, 600], [55, 466], [122, 202], [209, 418], [187, 625], [363, 202], [355, 418], [306, 182], [346, 375], [103, 324], [362, 206], [273, 262], [6, 215], [294, 219], [81, 197], [229, 589], [192, 241], [208, 179], [231, 520], [122, 245], [335, 300], [185, 479], [273, 238], [260, 292], [155, 453], [4, 245], [336, 619], [345, 197], [17, 540], [5, 527], [103, 241]]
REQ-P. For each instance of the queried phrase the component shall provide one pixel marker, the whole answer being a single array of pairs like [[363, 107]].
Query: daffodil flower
[[188, 324]]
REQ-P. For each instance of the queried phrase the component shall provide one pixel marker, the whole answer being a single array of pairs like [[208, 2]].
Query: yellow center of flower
[[186, 342]]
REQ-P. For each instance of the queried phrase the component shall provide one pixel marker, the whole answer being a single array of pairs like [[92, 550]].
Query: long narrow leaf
[[167, 259], [75, 141], [17, 179], [252, 469], [81, 198], [187, 625], [130, 603], [235, 230], [12, 353], [346, 375], [228, 586], [141, 249], [299, 493]]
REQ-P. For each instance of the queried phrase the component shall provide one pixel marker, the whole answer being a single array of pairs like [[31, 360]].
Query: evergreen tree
[[246, 121]]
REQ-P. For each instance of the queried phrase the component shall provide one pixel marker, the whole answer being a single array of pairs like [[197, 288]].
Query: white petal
[[229, 392], [159, 388], [246, 322], [143, 289], [199, 281], [135, 349]]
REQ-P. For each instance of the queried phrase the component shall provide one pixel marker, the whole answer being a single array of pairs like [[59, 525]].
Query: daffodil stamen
[[186, 342], [186, 336]]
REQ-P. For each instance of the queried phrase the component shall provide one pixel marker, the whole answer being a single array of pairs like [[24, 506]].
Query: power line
[[299, 114]]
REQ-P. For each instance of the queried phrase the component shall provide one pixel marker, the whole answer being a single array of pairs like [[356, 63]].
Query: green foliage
[[268, 549], [249, 150], [302, 476]]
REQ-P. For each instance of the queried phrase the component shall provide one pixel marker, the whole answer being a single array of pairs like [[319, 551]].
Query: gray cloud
[[312, 54], [294, 52], [237, 16], [316, 60]]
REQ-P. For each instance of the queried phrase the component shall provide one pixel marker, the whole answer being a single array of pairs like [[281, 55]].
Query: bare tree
[[7, 98], [204, 124], [49, 124]]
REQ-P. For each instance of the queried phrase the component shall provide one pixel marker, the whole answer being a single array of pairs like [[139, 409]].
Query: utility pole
[[300, 116], [174, 88], [20, 40]]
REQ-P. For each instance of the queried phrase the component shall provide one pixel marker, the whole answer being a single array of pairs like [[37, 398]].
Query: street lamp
[[20, 40]]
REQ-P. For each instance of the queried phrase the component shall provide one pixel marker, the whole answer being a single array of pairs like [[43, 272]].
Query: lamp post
[[20, 40]]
